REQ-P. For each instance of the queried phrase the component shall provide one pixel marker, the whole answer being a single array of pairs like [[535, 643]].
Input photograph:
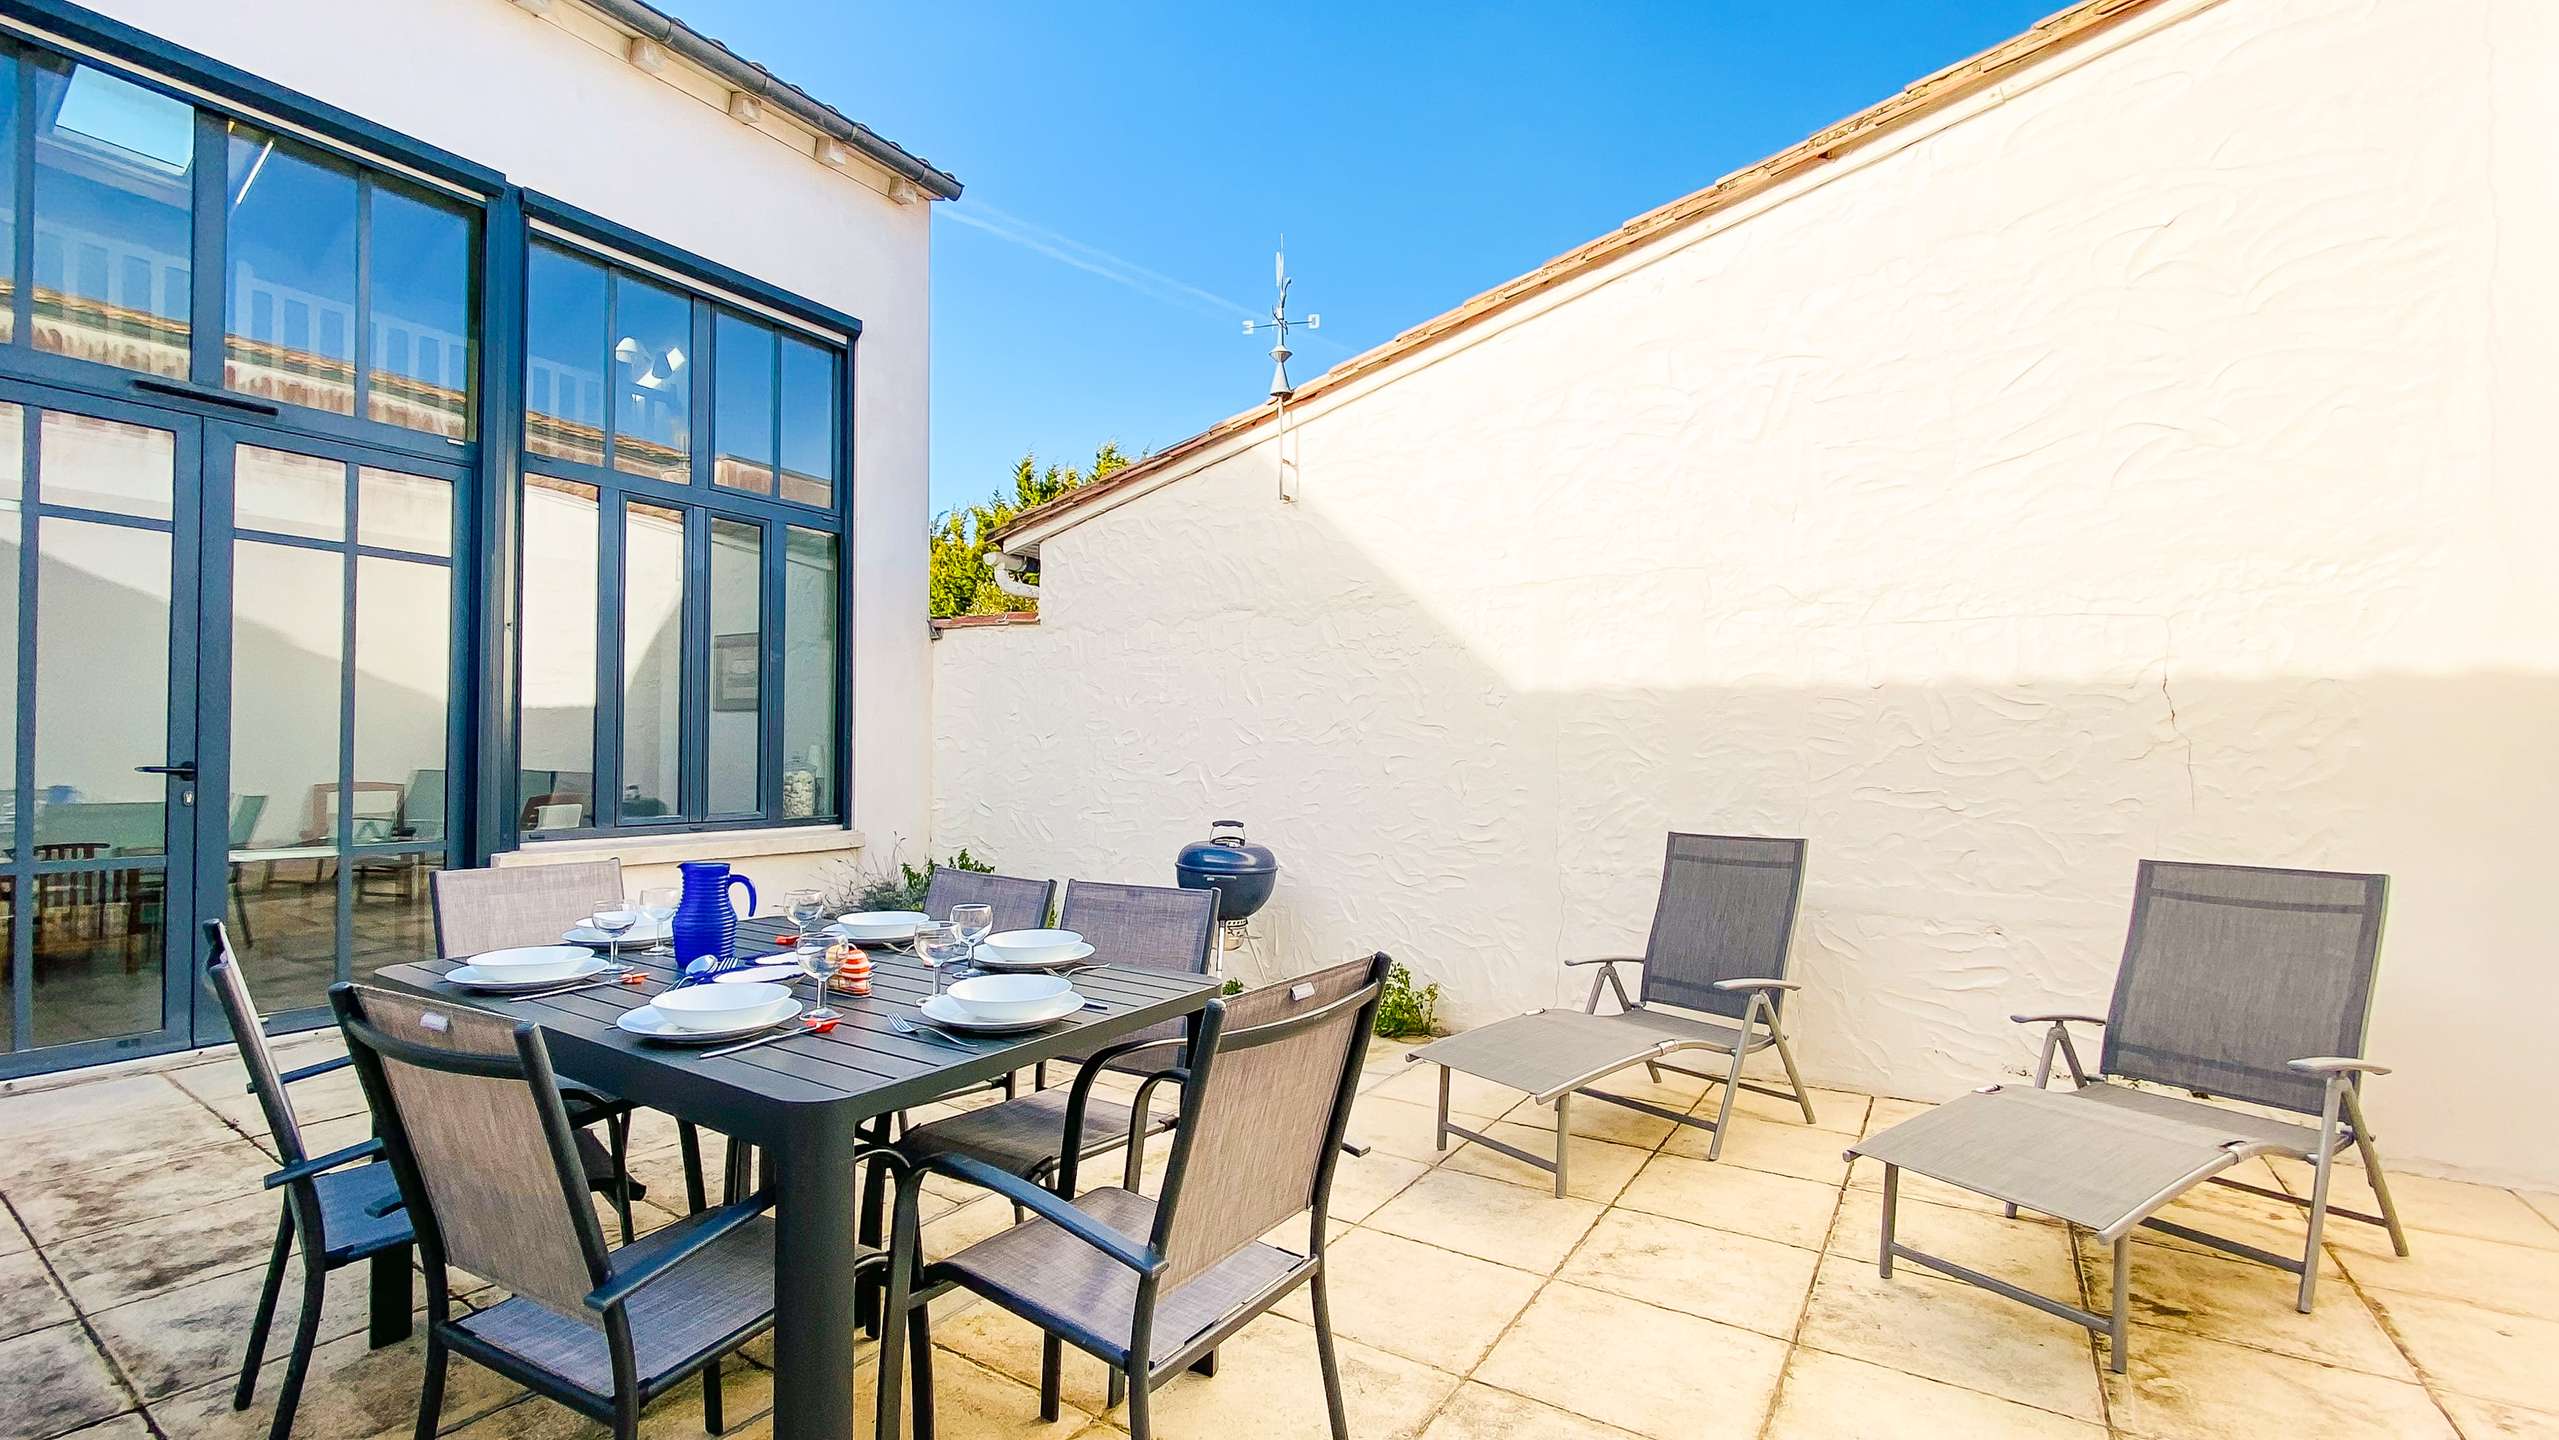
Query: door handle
[[183, 770]]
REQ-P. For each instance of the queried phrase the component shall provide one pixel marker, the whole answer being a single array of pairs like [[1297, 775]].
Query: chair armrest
[[307, 1072], [706, 1229], [2333, 1065], [322, 1164], [2057, 1019], [1606, 960], [1050, 1206], [1757, 985]]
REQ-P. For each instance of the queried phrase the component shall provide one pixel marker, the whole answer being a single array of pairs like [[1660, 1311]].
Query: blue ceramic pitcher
[[705, 923]]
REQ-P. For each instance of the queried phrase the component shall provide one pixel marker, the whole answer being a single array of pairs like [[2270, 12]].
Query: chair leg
[[1724, 1111], [2118, 1331], [619, 1128], [1786, 1057], [713, 1420], [696, 1195], [248, 1386], [1324, 1356], [1891, 1208], [1115, 1390], [2372, 1175], [1439, 1136], [431, 1389], [919, 1332], [2327, 1164], [1206, 1366], [1141, 1426], [1563, 1137], [306, 1333], [1052, 1361]]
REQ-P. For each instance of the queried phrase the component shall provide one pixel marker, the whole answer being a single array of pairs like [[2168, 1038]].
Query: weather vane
[[1279, 325]]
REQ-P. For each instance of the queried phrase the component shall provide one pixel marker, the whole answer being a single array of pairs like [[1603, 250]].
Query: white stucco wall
[[525, 96], [2149, 460]]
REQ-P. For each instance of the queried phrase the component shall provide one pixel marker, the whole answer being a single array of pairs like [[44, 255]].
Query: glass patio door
[[98, 612], [330, 686]]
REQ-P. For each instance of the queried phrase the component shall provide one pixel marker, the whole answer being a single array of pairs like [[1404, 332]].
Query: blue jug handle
[[750, 892]]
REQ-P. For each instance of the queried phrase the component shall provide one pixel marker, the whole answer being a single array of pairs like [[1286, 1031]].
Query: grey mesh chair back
[[1727, 912], [275, 1101], [477, 911], [1263, 1113], [1161, 927], [472, 1117], [1018, 904], [2231, 971]]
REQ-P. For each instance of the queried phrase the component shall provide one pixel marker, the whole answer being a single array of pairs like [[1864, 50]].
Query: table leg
[[391, 1296], [813, 1283]]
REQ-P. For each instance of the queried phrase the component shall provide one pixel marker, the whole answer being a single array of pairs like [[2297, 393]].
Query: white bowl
[[883, 924], [1032, 947], [720, 1007], [1008, 997], [532, 964]]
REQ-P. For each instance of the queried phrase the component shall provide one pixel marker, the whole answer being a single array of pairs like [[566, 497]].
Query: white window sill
[[689, 845]]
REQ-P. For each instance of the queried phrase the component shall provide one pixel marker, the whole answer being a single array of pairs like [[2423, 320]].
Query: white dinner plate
[[942, 1010], [647, 932], [470, 978], [988, 959], [645, 1022]]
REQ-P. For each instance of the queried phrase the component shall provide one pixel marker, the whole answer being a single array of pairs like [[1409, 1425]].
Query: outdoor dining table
[[803, 1099]]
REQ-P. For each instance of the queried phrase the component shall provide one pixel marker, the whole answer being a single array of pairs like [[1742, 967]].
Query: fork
[[917, 1031]]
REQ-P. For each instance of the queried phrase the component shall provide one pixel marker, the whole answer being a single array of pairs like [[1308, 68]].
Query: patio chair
[[1159, 927], [477, 911], [480, 1140], [1153, 1286], [2239, 984], [1721, 931], [1018, 904], [343, 1205]]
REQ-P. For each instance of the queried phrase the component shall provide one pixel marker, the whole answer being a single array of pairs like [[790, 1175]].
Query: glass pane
[[288, 610], [113, 202], [397, 511], [419, 356], [810, 593], [102, 690], [403, 661], [8, 959], [564, 360], [652, 660], [652, 388], [394, 913], [98, 953], [288, 301], [105, 465], [737, 667], [8, 250], [289, 494], [742, 379], [555, 785], [13, 421], [808, 423]]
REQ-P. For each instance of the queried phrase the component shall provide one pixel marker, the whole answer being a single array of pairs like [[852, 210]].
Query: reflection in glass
[[742, 419], [809, 598], [13, 421], [564, 360], [652, 381], [98, 956], [555, 783], [8, 245], [8, 953], [419, 354], [652, 660], [101, 689], [105, 465], [403, 659], [808, 423], [394, 918], [113, 203], [737, 667], [289, 494], [287, 611], [399, 511], [289, 294]]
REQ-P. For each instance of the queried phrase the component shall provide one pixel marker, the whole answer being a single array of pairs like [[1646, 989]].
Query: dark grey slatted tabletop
[[804, 1097]]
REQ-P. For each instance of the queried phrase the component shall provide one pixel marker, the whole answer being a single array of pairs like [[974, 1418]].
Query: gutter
[[748, 78]]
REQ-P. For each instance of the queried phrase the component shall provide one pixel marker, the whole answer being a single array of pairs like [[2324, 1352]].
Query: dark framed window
[[681, 570]]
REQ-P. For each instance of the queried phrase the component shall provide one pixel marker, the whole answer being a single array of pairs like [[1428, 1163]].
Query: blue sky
[[1413, 154]]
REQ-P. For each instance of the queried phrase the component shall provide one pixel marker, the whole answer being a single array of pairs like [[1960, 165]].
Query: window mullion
[[695, 746], [360, 344], [612, 523], [208, 281], [770, 682], [23, 257]]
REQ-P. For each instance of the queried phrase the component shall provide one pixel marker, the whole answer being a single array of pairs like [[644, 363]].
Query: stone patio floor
[[1668, 1297]]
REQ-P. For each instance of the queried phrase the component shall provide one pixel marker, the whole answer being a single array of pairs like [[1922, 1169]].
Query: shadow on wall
[[1973, 838]]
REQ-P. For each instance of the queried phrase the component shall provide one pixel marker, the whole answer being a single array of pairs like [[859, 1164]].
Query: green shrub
[[899, 887], [1405, 1009]]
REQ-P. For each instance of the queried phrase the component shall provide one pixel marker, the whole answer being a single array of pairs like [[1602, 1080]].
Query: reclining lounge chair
[[2237, 984], [1718, 947]]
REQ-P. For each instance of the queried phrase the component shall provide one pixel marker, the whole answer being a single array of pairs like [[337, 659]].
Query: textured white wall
[[522, 95], [2152, 461]]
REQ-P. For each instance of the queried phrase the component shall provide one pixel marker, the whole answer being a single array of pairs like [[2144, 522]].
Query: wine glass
[[615, 916], [974, 923], [657, 906], [937, 946], [820, 963], [807, 907]]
